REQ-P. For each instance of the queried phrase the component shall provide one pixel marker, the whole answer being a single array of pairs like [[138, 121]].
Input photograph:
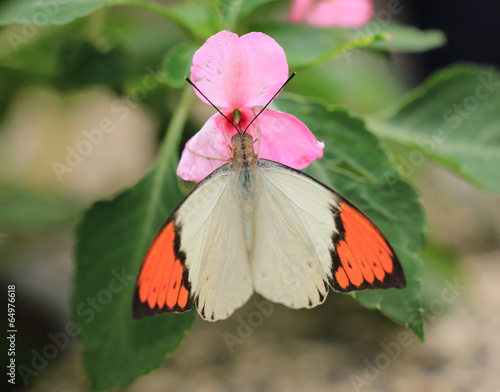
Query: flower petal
[[283, 138], [299, 10], [333, 13], [210, 142], [287, 140], [237, 72]]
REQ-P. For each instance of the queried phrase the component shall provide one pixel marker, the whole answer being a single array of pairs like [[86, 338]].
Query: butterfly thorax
[[244, 156], [244, 163]]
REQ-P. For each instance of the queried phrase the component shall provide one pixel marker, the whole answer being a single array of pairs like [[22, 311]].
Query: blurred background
[[338, 346]]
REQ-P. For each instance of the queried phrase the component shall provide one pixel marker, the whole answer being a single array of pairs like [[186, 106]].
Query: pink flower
[[238, 74], [331, 13]]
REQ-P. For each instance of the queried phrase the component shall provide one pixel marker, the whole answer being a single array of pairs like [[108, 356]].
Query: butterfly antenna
[[271, 100], [216, 108]]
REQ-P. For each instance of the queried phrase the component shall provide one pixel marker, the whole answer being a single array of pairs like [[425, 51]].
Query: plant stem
[[96, 24], [169, 147], [232, 14], [361, 42]]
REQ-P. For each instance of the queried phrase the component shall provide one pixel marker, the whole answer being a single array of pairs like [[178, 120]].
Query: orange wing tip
[[362, 259], [142, 309], [340, 282], [163, 285]]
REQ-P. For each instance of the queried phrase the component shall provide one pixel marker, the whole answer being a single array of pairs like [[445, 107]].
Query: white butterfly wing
[[292, 239], [213, 240], [291, 257], [199, 254]]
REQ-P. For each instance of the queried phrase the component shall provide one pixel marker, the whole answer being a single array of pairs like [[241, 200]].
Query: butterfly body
[[244, 164], [257, 225]]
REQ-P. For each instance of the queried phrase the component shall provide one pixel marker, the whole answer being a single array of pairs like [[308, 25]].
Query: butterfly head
[[242, 141], [243, 154]]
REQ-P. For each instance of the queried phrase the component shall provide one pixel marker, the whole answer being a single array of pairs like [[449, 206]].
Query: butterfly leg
[[225, 136], [203, 156], [258, 132], [227, 143]]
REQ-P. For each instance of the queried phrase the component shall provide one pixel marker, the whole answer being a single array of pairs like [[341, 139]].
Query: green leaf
[[111, 242], [82, 64], [235, 10], [34, 58], [366, 85], [198, 18], [10, 80], [46, 12], [307, 46], [176, 64], [304, 45], [454, 118], [441, 266], [410, 39], [355, 165], [27, 212]]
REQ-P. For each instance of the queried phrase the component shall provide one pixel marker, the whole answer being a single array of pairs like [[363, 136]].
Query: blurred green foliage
[[73, 46]]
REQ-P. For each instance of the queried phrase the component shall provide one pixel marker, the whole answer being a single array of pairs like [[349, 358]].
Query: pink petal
[[287, 140], [284, 139], [338, 13], [237, 72], [299, 10], [210, 142]]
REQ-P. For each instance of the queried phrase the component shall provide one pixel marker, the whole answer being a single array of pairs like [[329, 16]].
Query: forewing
[[309, 236], [163, 285], [202, 242], [363, 258]]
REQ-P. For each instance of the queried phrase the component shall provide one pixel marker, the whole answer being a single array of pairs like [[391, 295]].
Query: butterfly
[[255, 225]]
